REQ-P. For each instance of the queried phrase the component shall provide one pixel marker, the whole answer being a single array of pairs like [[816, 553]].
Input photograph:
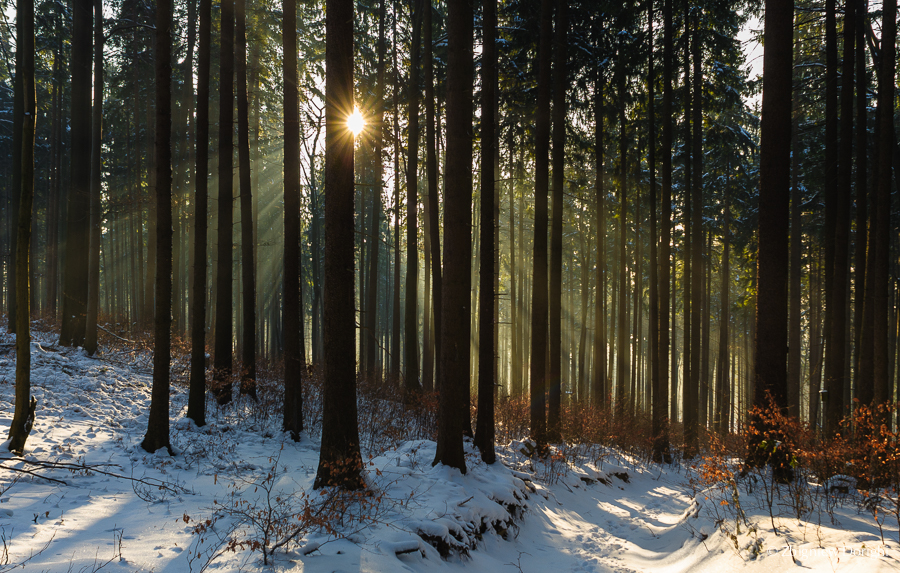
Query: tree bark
[[292, 317], [453, 411], [539, 294], [431, 166], [774, 195], [75, 289], [412, 382], [339, 462], [484, 426], [158, 421], [660, 390], [248, 265], [556, 224], [23, 416], [197, 393], [93, 303], [224, 272]]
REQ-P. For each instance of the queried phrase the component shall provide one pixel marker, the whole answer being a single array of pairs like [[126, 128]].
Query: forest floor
[[239, 485]]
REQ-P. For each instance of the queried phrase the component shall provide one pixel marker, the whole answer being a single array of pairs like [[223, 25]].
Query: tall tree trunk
[[23, 416], [835, 365], [224, 275], [556, 224], [862, 185], [453, 410], [158, 421], [622, 355], [484, 426], [292, 309], [599, 380], [197, 394], [774, 204], [885, 148], [248, 265], [697, 419], [372, 291], [411, 353], [93, 303], [431, 166], [339, 462], [654, 355], [723, 384], [75, 290], [688, 400], [539, 294], [660, 390], [794, 322], [834, 408], [395, 325]]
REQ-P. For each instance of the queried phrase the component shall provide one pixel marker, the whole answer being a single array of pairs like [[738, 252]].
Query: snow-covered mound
[[238, 496]]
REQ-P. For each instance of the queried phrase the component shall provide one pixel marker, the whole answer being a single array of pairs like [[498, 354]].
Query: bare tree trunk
[[484, 426], [395, 326], [197, 393], [93, 302], [158, 421], [774, 204], [556, 224], [224, 274], [539, 281], [248, 265], [599, 381], [453, 410], [411, 354], [75, 291], [431, 166], [23, 416], [885, 148], [339, 462], [378, 134], [292, 309]]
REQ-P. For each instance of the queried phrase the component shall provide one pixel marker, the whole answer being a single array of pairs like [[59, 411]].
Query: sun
[[355, 122]]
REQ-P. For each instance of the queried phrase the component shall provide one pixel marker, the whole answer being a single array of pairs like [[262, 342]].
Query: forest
[[570, 210]]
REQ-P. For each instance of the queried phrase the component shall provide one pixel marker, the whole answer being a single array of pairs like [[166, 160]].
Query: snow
[[600, 510]]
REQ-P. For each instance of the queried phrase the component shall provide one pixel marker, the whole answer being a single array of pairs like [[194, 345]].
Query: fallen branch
[[116, 335], [150, 482]]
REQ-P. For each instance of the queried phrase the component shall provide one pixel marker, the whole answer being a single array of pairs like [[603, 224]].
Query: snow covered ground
[[238, 484]]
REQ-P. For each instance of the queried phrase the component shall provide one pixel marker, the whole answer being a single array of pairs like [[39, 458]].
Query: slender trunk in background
[[815, 337], [453, 410], [23, 416], [248, 266], [538, 371], [688, 402], [621, 357], [833, 385], [882, 209], [484, 426], [16, 184], [431, 167], [660, 391], [654, 355], [556, 224], [339, 462], [836, 380], [794, 322], [75, 276], [411, 353], [395, 326], [378, 134], [862, 186], [224, 275], [197, 394], [158, 420], [723, 383], [93, 304], [292, 317], [697, 419], [599, 380]]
